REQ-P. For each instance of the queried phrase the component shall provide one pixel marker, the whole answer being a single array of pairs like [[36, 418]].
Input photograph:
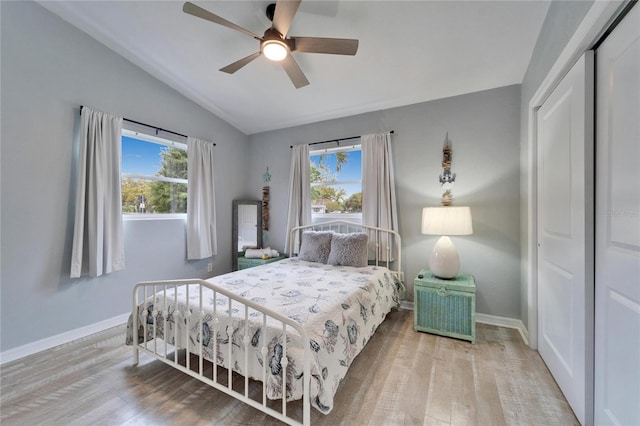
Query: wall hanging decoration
[[447, 178], [265, 200]]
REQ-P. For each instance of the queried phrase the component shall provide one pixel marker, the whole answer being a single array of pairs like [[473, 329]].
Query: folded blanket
[[260, 253]]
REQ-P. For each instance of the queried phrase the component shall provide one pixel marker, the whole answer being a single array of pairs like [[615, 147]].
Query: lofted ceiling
[[409, 52]]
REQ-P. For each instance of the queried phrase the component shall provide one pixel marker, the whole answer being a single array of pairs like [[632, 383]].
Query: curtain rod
[[158, 129], [339, 140]]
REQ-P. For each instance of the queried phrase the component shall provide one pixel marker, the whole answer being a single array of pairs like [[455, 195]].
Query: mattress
[[339, 307]]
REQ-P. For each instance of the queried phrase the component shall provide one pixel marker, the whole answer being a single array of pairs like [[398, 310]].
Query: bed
[[294, 325]]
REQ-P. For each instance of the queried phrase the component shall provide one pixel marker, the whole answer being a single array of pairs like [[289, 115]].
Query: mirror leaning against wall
[[246, 231]]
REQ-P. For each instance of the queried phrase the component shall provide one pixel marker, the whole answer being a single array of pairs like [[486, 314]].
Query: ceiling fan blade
[[283, 16], [334, 46], [199, 12], [231, 68], [294, 72]]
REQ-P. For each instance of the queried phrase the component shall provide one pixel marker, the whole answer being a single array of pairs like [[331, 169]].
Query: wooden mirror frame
[[234, 228]]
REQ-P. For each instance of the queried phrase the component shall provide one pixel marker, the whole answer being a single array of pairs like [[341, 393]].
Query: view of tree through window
[[336, 181], [154, 176]]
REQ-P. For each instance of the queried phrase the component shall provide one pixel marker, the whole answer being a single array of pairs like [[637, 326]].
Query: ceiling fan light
[[274, 50]]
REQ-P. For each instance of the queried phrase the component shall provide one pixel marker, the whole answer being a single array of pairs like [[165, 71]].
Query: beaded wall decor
[[265, 200], [447, 178]]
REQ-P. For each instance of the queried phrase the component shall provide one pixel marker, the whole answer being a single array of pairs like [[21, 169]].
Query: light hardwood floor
[[402, 377]]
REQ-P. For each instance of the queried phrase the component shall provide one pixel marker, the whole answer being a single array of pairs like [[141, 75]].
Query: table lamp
[[444, 261]]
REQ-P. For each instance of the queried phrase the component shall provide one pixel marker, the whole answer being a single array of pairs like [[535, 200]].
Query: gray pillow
[[315, 246], [349, 250]]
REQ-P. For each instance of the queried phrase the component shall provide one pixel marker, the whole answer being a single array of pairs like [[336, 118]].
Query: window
[[154, 174], [336, 184]]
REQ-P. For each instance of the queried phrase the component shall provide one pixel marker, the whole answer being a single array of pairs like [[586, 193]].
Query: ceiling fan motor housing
[[272, 34]]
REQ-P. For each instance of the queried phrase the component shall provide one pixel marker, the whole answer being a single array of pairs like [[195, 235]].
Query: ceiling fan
[[275, 44]]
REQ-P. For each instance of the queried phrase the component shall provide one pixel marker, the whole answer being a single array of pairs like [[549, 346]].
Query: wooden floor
[[401, 378]]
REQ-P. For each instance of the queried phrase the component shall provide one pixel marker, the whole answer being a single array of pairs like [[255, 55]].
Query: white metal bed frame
[[160, 348]]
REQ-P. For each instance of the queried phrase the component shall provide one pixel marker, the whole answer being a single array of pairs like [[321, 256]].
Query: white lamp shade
[[446, 221]]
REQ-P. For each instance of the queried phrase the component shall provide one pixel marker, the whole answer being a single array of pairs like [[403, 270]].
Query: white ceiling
[[410, 51]]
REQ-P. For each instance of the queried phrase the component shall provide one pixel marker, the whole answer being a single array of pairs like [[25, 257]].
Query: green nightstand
[[244, 263], [445, 307]]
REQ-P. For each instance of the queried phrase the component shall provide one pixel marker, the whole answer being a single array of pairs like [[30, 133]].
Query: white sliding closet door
[[617, 375], [565, 235]]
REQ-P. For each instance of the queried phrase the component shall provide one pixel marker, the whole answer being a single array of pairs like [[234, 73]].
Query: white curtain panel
[[299, 191], [98, 240], [379, 206], [201, 206]]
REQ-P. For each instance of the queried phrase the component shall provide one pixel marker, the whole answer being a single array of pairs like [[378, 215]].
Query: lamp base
[[444, 261]]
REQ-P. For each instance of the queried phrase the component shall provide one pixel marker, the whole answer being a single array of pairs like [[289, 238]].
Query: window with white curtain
[[154, 175], [336, 184]]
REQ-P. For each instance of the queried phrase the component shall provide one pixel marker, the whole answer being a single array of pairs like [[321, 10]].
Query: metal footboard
[[161, 347]]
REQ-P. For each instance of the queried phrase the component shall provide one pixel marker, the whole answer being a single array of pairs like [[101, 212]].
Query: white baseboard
[[405, 304], [489, 319], [60, 339], [505, 322], [78, 333]]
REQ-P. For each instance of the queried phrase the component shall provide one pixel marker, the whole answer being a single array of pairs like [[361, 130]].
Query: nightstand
[[445, 307], [244, 263]]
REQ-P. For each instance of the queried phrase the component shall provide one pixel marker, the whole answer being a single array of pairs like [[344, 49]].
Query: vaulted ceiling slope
[[409, 52]]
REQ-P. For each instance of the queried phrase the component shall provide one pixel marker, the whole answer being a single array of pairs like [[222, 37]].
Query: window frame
[[146, 137], [317, 218]]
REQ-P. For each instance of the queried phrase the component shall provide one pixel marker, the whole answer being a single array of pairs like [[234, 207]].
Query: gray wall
[[485, 131], [561, 22], [49, 69]]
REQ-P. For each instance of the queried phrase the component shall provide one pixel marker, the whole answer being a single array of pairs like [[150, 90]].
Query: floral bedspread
[[339, 307]]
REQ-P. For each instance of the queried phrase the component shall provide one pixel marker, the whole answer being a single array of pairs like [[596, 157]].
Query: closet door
[[565, 235], [617, 340]]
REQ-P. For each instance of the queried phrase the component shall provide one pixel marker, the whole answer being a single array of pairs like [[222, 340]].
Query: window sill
[[154, 216], [326, 217]]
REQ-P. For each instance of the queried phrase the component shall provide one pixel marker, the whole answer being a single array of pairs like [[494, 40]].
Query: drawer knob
[[442, 292]]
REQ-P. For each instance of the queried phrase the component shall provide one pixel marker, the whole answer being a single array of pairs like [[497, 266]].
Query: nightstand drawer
[[445, 307]]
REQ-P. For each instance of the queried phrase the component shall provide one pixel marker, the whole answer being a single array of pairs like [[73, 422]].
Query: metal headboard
[[385, 245]]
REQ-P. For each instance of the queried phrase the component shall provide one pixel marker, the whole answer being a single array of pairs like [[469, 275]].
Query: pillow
[[349, 249], [315, 246]]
